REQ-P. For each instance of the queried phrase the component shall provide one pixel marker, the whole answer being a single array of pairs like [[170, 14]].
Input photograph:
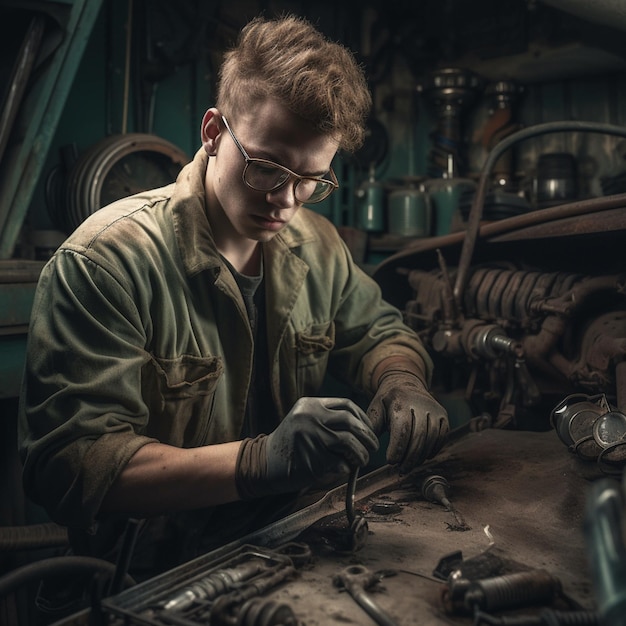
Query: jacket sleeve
[[81, 417], [369, 330]]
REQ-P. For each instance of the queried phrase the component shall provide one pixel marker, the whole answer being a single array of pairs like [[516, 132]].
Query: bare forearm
[[161, 479]]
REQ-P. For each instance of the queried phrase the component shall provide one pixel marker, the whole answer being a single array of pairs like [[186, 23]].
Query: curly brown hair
[[289, 60]]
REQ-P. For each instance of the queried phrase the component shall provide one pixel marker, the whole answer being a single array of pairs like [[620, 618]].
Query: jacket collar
[[194, 235]]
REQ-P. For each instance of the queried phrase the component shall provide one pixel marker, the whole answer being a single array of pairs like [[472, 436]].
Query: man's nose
[[285, 196]]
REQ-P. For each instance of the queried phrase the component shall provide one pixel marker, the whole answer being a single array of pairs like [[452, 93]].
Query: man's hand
[[417, 423], [320, 439]]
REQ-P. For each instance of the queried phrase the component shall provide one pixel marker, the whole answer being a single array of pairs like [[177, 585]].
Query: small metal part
[[436, 489], [211, 586], [453, 594], [509, 591], [299, 553], [448, 564], [227, 606], [247, 574], [358, 534], [264, 612], [356, 580], [350, 493], [574, 418], [386, 508]]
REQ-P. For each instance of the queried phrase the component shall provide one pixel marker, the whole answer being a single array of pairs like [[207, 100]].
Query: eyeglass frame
[[333, 183]]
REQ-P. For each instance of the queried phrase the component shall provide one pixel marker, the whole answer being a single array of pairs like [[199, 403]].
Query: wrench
[[356, 580]]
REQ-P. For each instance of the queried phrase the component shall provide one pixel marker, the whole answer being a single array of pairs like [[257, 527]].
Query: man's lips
[[270, 223]]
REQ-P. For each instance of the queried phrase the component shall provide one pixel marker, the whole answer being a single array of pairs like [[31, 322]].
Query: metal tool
[[508, 591], [231, 592], [356, 580], [436, 489], [264, 612], [357, 524], [215, 584], [226, 608]]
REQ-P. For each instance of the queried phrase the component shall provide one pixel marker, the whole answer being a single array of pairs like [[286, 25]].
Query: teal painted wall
[[105, 94], [99, 104]]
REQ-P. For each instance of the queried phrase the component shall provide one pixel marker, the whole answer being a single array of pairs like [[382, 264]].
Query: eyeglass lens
[[265, 176]]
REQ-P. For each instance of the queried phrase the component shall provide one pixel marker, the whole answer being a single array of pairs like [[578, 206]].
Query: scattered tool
[[232, 591], [356, 580], [508, 591], [436, 489]]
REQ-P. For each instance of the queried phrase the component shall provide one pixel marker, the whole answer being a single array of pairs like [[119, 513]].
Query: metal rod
[[350, 492]]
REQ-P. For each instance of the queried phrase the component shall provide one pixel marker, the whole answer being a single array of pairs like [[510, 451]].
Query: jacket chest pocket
[[180, 393], [313, 346]]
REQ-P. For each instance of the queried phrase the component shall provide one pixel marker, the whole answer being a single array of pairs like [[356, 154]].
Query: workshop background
[[103, 98]]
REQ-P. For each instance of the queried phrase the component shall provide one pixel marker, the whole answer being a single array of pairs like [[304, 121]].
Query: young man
[[180, 337]]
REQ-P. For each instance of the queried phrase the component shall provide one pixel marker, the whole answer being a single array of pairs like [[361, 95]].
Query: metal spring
[[211, 586], [498, 293], [569, 618], [264, 612], [547, 617], [511, 590]]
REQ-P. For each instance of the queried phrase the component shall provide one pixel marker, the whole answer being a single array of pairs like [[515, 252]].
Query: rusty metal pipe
[[573, 299], [475, 215], [539, 347]]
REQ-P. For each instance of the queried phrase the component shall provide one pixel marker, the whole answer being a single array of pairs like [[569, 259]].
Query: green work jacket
[[139, 333]]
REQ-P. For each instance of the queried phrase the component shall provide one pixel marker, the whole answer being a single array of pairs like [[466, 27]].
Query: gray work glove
[[319, 440], [416, 422]]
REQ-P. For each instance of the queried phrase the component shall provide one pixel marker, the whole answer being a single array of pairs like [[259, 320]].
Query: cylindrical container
[[409, 213], [371, 211], [445, 194], [557, 179]]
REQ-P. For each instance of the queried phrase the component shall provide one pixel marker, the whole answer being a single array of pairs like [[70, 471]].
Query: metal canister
[[445, 194], [557, 179], [371, 210], [409, 213]]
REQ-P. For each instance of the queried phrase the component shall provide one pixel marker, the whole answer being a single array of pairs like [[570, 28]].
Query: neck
[[242, 253], [245, 261]]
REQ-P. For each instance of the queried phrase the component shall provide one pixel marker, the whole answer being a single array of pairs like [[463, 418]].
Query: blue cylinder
[[409, 213], [371, 213]]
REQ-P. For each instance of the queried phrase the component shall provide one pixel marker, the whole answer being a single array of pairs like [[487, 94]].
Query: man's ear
[[210, 130]]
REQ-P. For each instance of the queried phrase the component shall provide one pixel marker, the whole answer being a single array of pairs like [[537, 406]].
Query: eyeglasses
[[264, 175]]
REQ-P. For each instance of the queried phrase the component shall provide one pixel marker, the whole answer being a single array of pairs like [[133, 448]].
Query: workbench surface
[[519, 498]]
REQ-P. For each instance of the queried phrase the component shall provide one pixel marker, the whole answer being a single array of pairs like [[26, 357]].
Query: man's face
[[270, 132]]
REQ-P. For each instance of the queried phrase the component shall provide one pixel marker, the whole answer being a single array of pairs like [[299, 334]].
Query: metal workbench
[[519, 499]]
